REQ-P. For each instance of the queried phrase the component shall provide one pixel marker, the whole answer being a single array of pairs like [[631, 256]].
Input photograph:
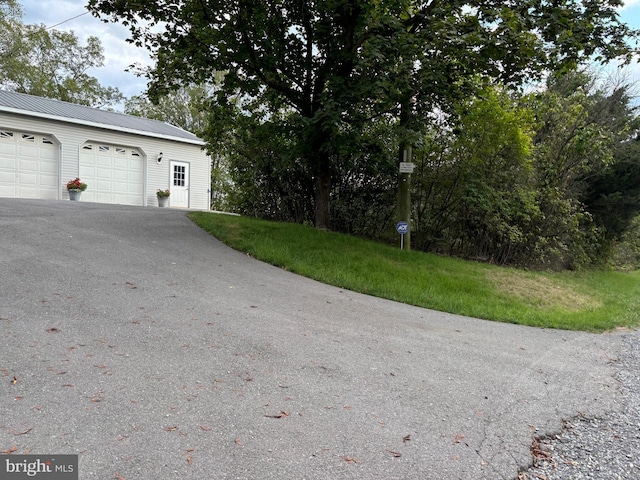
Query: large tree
[[50, 63], [324, 61]]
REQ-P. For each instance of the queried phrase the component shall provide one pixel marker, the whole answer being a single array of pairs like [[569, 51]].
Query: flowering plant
[[163, 193], [76, 185]]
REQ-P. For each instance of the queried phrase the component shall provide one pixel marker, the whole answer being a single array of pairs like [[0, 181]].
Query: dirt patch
[[542, 291]]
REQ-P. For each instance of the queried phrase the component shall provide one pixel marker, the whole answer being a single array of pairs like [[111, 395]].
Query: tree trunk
[[322, 193]]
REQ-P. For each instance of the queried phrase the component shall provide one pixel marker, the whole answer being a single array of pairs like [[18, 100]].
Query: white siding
[[71, 137]]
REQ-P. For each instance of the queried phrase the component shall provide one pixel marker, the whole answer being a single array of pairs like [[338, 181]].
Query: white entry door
[[179, 184]]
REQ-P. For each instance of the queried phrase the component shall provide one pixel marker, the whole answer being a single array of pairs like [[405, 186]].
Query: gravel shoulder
[[602, 447]]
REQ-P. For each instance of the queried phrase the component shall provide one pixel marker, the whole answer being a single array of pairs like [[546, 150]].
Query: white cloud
[[629, 4]]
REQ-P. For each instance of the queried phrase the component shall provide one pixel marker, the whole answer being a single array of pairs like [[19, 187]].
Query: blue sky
[[119, 54], [630, 13]]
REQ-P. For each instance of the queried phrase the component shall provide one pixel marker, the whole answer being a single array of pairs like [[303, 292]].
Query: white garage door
[[28, 165], [113, 174]]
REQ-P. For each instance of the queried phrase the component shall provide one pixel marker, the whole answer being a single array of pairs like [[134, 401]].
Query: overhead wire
[[67, 20]]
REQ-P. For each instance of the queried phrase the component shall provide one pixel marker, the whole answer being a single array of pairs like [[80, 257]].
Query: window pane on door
[[179, 177]]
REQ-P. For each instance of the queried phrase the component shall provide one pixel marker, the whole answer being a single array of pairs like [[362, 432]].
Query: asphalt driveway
[[153, 351]]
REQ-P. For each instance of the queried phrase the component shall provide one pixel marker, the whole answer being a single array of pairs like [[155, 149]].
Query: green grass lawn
[[593, 301]]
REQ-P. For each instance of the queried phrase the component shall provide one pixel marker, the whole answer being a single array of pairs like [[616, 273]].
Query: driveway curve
[[154, 351]]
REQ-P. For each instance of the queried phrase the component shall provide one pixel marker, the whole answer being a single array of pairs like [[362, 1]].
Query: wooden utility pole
[[404, 193], [405, 168]]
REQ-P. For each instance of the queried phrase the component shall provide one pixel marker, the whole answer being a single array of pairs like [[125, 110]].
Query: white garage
[[123, 159]]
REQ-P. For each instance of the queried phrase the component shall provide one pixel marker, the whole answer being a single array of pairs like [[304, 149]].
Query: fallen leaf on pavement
[[282, 414]]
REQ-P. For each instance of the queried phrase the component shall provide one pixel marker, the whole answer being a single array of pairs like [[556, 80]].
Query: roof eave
[[143, 133]]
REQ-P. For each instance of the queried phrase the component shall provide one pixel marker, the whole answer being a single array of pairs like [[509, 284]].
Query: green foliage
[[268, 181], [185, 107], [364, 195], [612, 193], [581, 132], [591, 301], [51, 63], [532, 181], [472, 196], [626, 252], [10, 9], [271, 179]]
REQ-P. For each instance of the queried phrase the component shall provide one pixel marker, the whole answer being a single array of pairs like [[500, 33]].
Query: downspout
[[210, 193], [60, 168]]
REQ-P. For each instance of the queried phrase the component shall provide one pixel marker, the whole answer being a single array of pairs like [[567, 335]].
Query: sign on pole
[[402, 228], [407, 167]]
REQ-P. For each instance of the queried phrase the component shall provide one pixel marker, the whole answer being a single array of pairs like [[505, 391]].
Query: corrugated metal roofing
[[70, 112]]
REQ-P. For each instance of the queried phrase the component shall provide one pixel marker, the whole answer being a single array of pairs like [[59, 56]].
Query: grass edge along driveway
[[592, 301]]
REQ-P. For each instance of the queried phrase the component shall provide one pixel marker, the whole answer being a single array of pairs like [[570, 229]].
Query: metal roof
[[41, 107]]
